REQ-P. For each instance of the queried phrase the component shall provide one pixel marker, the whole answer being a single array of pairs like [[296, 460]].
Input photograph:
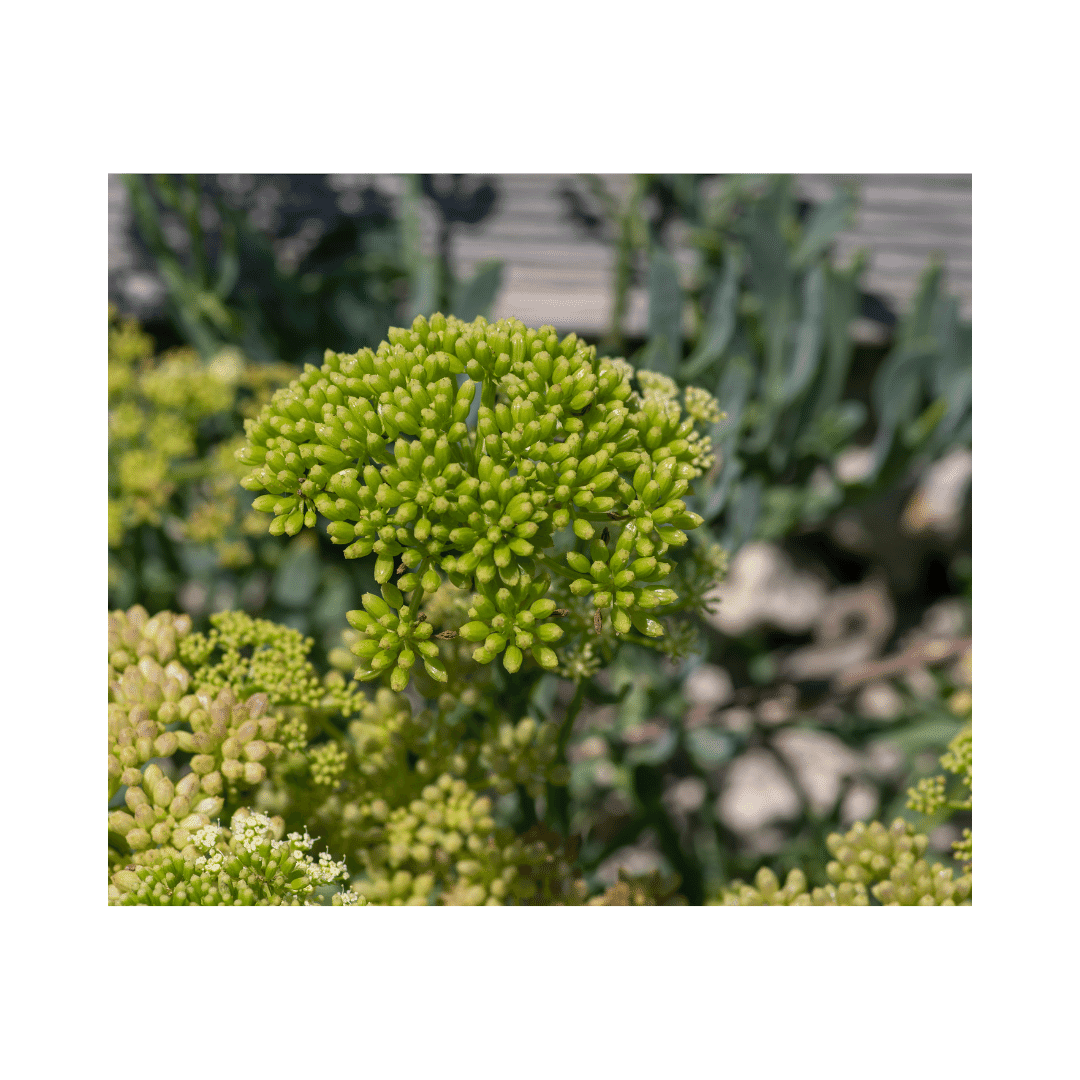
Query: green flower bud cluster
[[509, 621], [868, 859], [891, 857], [767, 892], [524, 753], [380, 735], [257, 656], [929, 795], [248, 866], [384, 760], [658, 396], [534, 869], [392, 637], [957, 759], [423, 842], [610, 578], [154, 412], [379, 444], [328, 763]]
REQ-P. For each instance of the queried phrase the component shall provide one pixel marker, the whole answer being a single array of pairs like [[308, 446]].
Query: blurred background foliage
[[835, 666]]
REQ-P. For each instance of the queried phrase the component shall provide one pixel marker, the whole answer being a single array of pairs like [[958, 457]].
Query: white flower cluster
[[251, 830]]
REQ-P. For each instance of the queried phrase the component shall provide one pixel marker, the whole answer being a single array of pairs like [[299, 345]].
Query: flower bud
[[254, 772], [583, 529], [687, 520], [436, 669], [651, 598], [626, 538], [645, 625], [375, 606], [360, 620], [549, 632], [578, 562], [670, 535], [545, 657]]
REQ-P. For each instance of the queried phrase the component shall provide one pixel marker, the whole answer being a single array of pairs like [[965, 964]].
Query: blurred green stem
[[558, 797]]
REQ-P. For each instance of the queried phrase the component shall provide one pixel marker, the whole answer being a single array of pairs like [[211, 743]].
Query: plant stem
[[558, 797], [418, 592]]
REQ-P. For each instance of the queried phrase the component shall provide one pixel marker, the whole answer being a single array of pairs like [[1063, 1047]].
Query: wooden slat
[[554, 274], [903, 221]]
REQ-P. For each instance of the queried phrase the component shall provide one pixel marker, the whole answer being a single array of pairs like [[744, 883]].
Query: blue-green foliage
[[772, 317]]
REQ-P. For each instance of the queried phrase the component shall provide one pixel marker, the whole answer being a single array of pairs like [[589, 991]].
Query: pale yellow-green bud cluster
[[231, 743], [524, 753], [154, 410], [768, 892], [868, 859], [257, 656], [891, 857], [162, 813], [144, 696], [427, 843], [328, 761]]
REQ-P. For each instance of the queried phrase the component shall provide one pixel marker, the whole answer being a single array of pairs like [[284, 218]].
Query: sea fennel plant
[[522, 500]]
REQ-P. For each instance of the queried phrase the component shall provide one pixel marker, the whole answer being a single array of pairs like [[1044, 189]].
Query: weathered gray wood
[[554, 274]]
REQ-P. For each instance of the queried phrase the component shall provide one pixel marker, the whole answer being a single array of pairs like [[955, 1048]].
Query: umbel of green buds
[[460, 451]]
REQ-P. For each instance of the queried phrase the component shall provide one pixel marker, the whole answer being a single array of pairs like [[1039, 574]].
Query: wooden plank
[[902, 220]]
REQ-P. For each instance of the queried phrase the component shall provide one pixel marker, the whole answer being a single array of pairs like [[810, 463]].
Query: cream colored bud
[[232, 769], [256, 750], [254, 772]]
